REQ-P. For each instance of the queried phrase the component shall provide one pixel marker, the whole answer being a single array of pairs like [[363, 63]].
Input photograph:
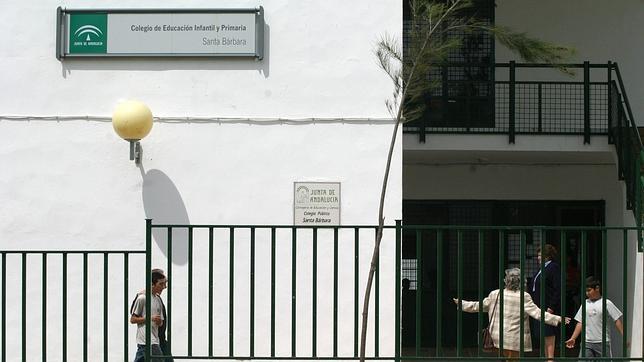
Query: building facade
[[233, 135]]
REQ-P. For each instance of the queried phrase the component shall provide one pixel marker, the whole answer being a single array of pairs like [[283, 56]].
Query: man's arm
[[570, 343], [137, 311], [135, 319]]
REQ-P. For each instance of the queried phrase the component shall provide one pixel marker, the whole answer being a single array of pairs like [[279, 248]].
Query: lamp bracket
[[135, 151]]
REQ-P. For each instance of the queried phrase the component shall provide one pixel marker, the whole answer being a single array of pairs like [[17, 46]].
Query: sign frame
[[62, 32], [312, 222]]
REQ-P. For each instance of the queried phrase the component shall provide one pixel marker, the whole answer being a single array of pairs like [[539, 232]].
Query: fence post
[[314, 298], [439, 292], [445, 116], [273, 256], [252, 291], [629, 165], [105, 308], [500, 282], [24, 310], [459, 293], [231, 292], [540, 107], [293, 295], [564, 286], [356, 292], [190, 273], [620, 137], [168, 295], [542, 295], [3, 320], [609, 103], [522, 251], [148, 289], [419, 290], [511, 93], [625, 289], [480, 291], [398, 292], [85, 311], [335, 297], [582, 291], [211, 247], [126, 309], [586, 102], [604, 289], [638, 198]]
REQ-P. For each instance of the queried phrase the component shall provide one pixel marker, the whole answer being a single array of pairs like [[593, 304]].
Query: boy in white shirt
[[594, 321]]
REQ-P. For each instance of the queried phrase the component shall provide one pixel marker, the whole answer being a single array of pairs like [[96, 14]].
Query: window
[[465, 94]]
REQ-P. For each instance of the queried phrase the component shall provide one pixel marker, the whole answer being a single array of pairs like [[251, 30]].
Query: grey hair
[[512, 278]]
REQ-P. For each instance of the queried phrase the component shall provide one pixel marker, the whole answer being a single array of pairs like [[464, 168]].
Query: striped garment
[[511, 312]]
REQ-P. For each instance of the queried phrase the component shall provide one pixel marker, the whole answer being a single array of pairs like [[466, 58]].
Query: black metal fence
[[283, 292], [282, 268], [513, 106], [624, 134], [467, 262], [67, 305]]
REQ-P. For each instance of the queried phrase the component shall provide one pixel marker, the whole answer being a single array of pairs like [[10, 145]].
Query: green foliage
[[429, 45], [531, 49]]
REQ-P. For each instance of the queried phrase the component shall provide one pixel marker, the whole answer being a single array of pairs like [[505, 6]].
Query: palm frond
[[429, 44], [531, 49], [390, 47]]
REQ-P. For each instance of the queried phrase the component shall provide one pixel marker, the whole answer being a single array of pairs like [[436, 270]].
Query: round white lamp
[[132, 120]]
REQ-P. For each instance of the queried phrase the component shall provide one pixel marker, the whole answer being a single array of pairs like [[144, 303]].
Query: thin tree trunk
[[381, 219], [376, 248]]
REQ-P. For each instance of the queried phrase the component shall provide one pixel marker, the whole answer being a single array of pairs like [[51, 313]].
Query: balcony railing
[[513, 106], [624, 134], [281, 292]]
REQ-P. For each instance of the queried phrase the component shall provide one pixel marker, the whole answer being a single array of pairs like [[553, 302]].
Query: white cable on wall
[[221, 120]]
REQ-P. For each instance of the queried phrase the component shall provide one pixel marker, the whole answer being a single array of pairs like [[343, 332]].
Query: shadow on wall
[[163, 204]]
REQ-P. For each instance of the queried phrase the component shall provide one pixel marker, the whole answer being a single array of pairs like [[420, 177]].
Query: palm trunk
[[381, 219], [376, 248]]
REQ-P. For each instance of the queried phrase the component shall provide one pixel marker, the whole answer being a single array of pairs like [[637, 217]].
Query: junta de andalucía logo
[[88, 33]]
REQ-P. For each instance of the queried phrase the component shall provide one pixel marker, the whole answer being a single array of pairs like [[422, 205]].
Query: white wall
[[68, 184], [600, 31], [319, 62], [635, 276]]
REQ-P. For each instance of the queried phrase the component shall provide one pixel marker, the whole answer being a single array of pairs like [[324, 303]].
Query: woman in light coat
[[511, 315]]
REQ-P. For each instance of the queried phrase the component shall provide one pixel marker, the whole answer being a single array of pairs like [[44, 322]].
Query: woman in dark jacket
[[551, 277]]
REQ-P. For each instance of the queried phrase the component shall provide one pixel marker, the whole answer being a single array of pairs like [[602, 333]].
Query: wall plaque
[[316, 203], [160, 33]]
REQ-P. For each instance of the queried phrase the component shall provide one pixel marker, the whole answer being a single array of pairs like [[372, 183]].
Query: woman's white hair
[[512, 278]]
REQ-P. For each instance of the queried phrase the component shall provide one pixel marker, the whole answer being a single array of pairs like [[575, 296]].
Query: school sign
[[160, 32]]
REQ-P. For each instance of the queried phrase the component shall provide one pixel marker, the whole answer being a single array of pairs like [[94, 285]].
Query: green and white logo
[[88, 33]]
